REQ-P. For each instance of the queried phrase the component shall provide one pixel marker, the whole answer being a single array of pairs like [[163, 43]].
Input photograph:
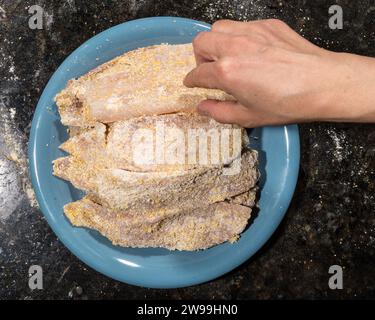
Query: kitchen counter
[[331, 220]]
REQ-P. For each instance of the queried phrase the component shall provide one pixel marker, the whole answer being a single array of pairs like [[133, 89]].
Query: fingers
[[233, 27], [237, 27], [235, 113], [210, 46], [263, 32], [225, 111], [275, 31], [203, 76], [231, 38], [213, 46]]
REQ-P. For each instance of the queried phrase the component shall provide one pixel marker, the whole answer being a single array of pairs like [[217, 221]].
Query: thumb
[[226, 112]]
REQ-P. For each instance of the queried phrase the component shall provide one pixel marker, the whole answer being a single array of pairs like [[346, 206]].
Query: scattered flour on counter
[[48, 18], [12, 142], [7, 64], [71, 4], [244, 10], [3, 14], [12, 113], [10, 188], [340, 144], [13, 149]]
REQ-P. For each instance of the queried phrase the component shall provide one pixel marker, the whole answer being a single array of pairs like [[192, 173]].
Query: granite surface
[[331, 220]]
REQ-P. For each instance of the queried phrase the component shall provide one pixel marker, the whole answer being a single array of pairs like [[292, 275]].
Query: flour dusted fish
[[146, 81]]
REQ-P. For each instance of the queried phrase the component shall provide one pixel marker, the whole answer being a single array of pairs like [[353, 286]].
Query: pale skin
[[278, 77]]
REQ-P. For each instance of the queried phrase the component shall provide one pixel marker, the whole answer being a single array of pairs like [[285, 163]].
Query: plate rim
[[33, 171]]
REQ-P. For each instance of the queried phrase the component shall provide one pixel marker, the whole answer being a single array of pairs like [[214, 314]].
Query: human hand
[[278, 77]]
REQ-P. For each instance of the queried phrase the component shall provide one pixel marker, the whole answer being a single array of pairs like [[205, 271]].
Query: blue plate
[[158, 268]]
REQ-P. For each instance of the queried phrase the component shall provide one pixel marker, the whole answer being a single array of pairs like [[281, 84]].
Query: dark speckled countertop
[[331, 220]]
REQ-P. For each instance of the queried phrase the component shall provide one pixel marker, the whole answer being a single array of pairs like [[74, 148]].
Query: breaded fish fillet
[[179, 134], [199, 228], [157, 195], [146, 81], [135, 149]]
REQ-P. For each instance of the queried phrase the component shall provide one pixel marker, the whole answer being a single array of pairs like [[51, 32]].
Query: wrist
[[349, 92]]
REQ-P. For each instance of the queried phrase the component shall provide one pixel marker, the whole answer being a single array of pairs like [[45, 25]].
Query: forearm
[[351, 97]]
